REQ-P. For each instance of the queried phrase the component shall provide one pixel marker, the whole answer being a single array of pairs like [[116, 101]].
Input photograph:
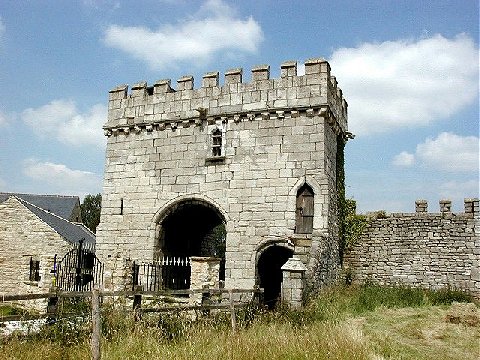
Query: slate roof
[[60, 205], [71, 232]]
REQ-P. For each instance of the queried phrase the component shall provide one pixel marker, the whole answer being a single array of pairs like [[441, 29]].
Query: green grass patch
[[10, 310]]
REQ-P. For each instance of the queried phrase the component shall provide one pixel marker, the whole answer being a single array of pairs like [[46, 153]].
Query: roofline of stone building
[[89, 242]]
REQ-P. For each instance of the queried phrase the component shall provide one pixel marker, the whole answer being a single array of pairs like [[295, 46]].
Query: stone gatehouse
[[244, 171]]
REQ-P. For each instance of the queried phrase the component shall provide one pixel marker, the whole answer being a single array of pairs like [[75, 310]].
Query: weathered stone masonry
[[428, 250], [242, 149]]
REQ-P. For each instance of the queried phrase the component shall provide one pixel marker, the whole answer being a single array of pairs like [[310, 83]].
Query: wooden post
[[52, 310], [232, 311], [137, 303], [95, 325]]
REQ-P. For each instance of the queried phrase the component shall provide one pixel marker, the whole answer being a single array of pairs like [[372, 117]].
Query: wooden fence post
[[232, 311], [95, 325], [137, 303], [52, 309]]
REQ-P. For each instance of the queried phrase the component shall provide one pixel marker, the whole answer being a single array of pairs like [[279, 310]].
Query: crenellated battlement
[[471, 208], [160, 106]]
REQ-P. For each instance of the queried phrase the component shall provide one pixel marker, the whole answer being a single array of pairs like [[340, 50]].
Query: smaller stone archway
[[269, 272]]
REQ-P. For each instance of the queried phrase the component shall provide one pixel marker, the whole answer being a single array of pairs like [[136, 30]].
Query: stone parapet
[[160, 105]]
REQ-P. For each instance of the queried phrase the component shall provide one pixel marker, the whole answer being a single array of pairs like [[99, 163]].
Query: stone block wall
[[204, 275], [277, 134], [422, 249], [23, 236]]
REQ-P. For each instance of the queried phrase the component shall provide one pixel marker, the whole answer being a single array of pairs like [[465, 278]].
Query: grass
[[421, 333], [7, 310], [340, 323]]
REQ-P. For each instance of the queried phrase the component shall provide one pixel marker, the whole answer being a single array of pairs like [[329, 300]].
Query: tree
[[90, 209]]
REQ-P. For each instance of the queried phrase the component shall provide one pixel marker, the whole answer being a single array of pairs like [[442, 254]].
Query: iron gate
[[79, 270]]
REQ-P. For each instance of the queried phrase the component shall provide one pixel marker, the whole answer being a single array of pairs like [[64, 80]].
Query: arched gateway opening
[[270, 274], [192, 228]]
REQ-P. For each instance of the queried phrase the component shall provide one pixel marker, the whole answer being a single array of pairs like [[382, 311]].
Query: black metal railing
[[169, 273]]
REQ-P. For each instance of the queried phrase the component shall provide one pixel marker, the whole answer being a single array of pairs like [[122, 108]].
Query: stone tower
[[260, 158]]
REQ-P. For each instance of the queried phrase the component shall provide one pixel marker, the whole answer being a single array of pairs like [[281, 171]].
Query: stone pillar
[[445, 206], [421, 206], [471, 206], [293, 282], [210, 79], [185, 83], [204, 274], [233, 76], [260, 72]]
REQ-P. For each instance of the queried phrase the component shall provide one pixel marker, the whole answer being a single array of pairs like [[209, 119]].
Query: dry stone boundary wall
[[421, 249]]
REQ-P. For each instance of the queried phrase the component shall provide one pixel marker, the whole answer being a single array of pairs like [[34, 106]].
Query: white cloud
[[97, 4], [2, 28], [403, 83], [404, 159], [447, 152], [458, 190], [450, 152], [62, 120], [3, 119], [59, 179], [214, 29]]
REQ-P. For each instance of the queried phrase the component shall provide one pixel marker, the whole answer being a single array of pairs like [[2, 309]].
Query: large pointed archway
[[269, 272]]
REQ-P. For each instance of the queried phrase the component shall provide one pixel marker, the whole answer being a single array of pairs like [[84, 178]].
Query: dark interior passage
[[194, 229], [270, 273]]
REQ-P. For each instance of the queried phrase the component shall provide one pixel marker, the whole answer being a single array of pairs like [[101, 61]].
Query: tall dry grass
[[339, 323]]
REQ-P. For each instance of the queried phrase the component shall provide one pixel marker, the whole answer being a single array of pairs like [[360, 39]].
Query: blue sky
[[408, 69]]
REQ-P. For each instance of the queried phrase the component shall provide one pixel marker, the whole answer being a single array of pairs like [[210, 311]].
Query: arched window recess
[[304, 210], [216, 144]]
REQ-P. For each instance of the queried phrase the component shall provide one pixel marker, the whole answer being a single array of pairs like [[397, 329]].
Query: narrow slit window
[[121, 206], [304, 211], [216, 142], [34, 270]]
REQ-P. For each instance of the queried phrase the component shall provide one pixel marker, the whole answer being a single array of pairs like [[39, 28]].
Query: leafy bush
[[71, 325]]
